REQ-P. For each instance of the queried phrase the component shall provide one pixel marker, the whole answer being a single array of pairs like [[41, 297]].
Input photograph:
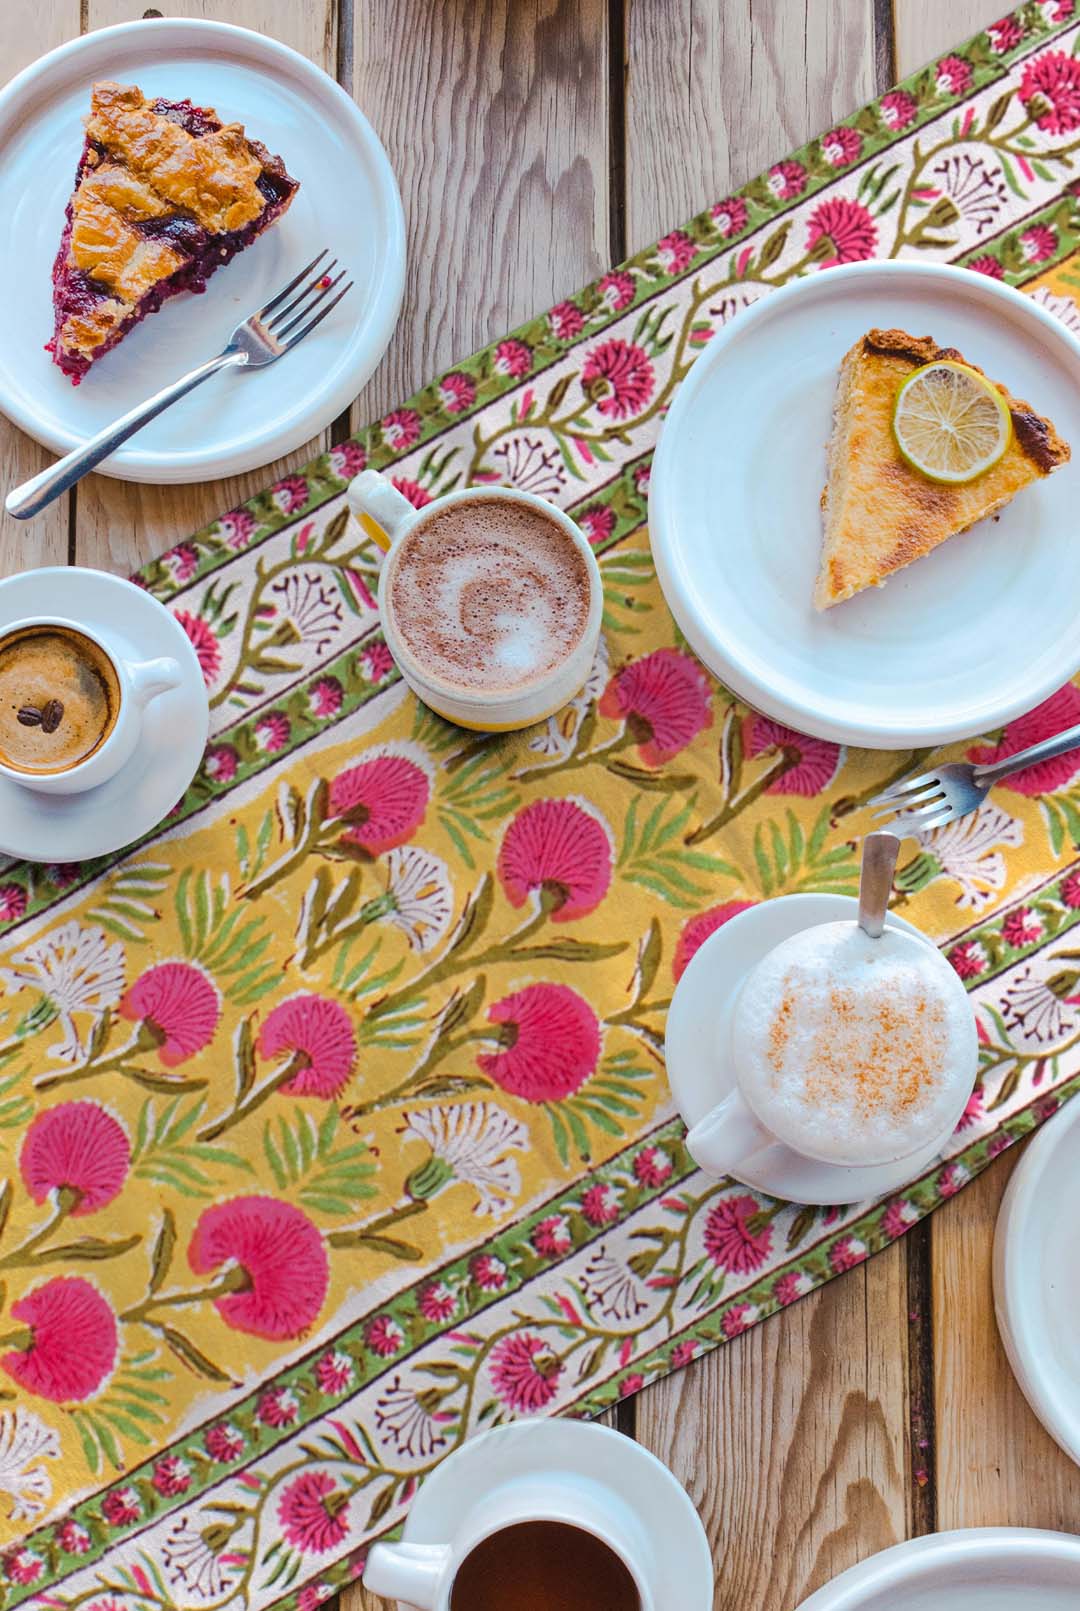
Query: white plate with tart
[[162, 179], [939, 607]]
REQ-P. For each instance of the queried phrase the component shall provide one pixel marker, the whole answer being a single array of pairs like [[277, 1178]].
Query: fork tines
[[917, 803], [320, 281]]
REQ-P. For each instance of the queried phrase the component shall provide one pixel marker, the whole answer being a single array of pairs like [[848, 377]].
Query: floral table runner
[[333, 1114]]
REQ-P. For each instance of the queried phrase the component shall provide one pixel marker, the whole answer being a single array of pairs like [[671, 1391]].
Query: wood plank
[[120, 525], [717, 92], [926, 29]]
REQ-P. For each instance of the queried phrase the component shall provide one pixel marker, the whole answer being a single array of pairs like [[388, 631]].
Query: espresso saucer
[[74, 827], [699, 1066], [681, 1576]]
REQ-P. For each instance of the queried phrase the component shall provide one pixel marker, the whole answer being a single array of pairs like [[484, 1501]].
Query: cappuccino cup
[[490, 600], [71, 704]]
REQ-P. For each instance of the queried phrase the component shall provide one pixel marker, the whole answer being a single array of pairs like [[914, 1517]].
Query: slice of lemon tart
[[923, 446]]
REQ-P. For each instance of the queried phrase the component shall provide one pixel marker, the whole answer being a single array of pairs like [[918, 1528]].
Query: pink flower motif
[[221, 763], [566, 321], [1055, 11], [314, 1513], [841, 146], [652, 1167], [181, 562], [278, 1251], [237, 528], [1004, 35], [696, 930], [899, 1216], [272, 732], [401, 429], [417, 495], [72, 1346], [683, 1353], [739, 1318], [179, 1004], [325, 698], [550, 1039], [512, 358], [791, 1286], [488, 1272], [318, 1036], [552, 1238], [986, 265], [347, 460], [597, 522], [1038, 243], [334, 1372], [76, 1148], [312, 1595], [560, 849], [665, 700], [22, 1565], [121, 1507], [617, 289], [675, 252], [729, 1240], [437, 1302], [290, 494], [384, 1336], [898, 109], [1022, 927], [641, 478], [848, 225], [73, 1538], [953, 76], [968, 958], [524, 1372], [62, 875], [952, 1178], [457, 392], [377, 662], [204, 642], [729, 216], [223, 1442], [846, 1252], [973, 1112], [1050, 91], [817, 760], [787, 180], [628, 1385], [13, 902], [618, 377], [277, 1407], [1070, 891], [1061, 710], [600, 1204], [383, 800]]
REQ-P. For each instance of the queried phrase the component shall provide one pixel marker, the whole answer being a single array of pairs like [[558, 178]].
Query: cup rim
[[486, 699], [543, 1513], [36, 622]]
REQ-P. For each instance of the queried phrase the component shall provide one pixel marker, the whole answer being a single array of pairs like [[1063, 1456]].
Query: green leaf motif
[[303, 1156], [654, 856], [163, 1153]]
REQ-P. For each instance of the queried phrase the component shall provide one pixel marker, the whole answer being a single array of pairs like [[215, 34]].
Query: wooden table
[[535, 142]]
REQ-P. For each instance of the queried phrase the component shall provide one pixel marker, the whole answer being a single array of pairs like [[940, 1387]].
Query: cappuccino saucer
[[698, 1034], [74, 827]]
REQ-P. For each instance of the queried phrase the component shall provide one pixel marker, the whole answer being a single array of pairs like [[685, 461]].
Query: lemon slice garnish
[[950, 423]]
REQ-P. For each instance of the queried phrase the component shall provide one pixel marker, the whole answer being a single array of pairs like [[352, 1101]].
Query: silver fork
[[259, 340], [958, 787]]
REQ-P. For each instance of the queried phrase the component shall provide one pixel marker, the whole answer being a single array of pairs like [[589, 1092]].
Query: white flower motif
[[419, 896], [25, 1441], [556, 738], [472, 1142], [1035, 1016], [967, 851], [976, 190], [76, 970], [192, 1559], [524, 463], [1062, 307], [613, 1287], [408, 1421], [311, 605]]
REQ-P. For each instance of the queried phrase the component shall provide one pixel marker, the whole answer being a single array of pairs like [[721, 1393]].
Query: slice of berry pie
[[165, 194]]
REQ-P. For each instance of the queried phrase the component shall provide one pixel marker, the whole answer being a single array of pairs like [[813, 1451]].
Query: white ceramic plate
[[979, 631], [1037, 1278], [348, 201], [975, 1569]]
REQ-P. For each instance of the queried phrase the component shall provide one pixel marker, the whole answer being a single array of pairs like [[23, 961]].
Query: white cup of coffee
[[851, 1051], [71, 704], [490, 600]]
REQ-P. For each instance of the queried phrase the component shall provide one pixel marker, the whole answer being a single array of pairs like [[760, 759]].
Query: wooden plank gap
[[922, 1415], [618, 68], [884, 23]]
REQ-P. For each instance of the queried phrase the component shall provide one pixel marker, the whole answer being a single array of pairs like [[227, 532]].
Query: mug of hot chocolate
[[71, 704], [490, 600]]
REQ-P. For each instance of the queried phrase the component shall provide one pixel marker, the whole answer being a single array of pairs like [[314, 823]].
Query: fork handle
[[37, 493], [1060, 744]]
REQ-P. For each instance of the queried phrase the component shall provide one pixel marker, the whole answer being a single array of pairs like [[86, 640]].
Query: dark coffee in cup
[[543, 1566], [59, 699]]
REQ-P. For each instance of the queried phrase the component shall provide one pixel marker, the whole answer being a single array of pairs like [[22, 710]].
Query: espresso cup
[[390, 519], [132, 686]]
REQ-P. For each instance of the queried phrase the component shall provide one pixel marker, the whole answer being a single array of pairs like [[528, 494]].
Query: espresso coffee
[[543, 1566], [59, 699], [489, 595], [853, 1050]]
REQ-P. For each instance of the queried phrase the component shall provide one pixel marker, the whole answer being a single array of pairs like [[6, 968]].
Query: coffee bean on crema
[[28, 716], [51, 716]]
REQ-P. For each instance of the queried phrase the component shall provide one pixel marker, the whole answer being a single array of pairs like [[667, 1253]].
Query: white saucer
[[1037, 1279], [684, 1569], [735, 521], [73, 827], [973, 1569], [348, 201], [697, 1036]]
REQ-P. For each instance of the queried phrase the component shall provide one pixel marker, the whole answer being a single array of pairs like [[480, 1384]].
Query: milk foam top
[[853, 1050]]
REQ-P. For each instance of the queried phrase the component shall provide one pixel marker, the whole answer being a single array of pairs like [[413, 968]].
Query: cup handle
[[152, 677], [409, 1572], [727, 1136], [379, 507]]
